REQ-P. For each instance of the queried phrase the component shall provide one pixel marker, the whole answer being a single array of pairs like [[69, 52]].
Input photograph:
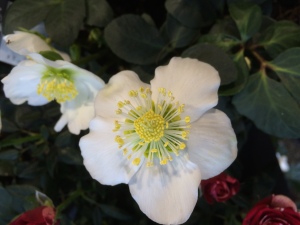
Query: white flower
[[24, 43], [39, 81], [283, 162], [161, 139]]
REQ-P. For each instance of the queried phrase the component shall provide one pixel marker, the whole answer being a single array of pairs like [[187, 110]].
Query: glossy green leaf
[[70, 156], [217, 58], [51, 55], [287, 67], [9, 154], [248, 19], [280, 36], [131, 38], [64, 21], [26, 14], [270, 106], [226, 27], [192, 13], [242, 76], [224, 41], [178, 34], [99, 13], [6, 213]]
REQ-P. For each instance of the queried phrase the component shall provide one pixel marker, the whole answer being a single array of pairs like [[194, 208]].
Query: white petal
[[212, 143], [20, 84], [61, 123], [192, 83], [116, 90], [102, 157], [167, 194], [24, 43], [78, 112]]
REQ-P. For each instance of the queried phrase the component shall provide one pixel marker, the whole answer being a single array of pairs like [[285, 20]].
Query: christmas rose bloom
[[24, 43], [40, 80], [273, 210], [219, 188], [42, 215], [161, 139]]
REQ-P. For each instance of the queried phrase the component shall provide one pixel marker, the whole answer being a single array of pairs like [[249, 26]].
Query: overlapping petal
[[167, 194], [25, 43], [116, 90], [21, 84], [193, 83], [102, 157], [212, 144]]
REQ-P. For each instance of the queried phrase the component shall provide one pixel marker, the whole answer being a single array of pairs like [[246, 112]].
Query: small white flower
[[161, 139], [39, 81], [24, 43], [283, 162]]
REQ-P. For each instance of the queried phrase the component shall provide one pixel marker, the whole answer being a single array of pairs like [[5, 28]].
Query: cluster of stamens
[[57, 85], [151, 128]]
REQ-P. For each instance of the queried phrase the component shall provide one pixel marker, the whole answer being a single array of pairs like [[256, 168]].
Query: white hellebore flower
[[40, 81], [24, 43], [161, 139]]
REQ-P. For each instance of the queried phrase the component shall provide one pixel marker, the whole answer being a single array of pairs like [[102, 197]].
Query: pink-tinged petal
[[167, 194], [193, 83], [212, 143], [116, 90], [101, 155]]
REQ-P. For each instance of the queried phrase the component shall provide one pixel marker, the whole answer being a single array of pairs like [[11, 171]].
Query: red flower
[[43, 215], [219, 188], [273, 210]]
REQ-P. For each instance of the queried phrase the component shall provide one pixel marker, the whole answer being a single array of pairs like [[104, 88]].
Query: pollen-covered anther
[[117, 126], [119, 140], [151, 128], [136, 161], [58, 89]]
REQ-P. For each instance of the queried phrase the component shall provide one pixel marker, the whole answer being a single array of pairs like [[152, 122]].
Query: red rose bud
[[43, 215], [219, 188], [273, 210]]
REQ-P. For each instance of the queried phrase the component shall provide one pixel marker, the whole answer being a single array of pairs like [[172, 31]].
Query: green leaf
[[9, 155], [178, 34], [131, 38], [280, 36], [224, 41], [192, 13], [6, 168], [269, 105], [114, 212], [51, 55], [247, 17], [287, 67], [64, 21], [217, 58], [226, 27], [70, 156], [23, 197], [26, 14], [99, 13], [242, 76], [6, 214]]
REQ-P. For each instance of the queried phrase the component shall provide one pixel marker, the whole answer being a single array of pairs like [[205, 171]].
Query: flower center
[[150, 126], [57, 84], [151, 129]]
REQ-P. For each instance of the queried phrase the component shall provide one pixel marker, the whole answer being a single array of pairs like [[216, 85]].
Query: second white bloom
[[40, 81]]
